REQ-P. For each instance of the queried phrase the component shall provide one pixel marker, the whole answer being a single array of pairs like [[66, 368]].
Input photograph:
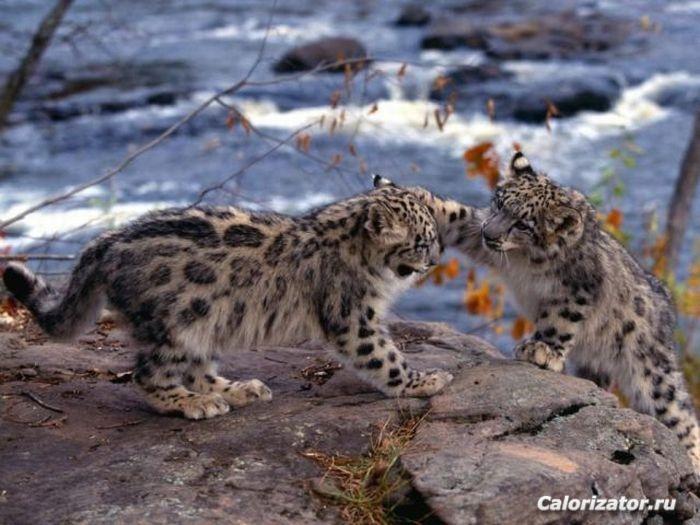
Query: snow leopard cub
[[593, 305], [193, 283]]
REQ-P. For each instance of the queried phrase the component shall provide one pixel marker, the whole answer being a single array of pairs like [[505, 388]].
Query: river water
[[121, 72]]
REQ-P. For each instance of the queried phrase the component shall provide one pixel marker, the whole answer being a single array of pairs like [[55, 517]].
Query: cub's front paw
[[203, 406], [428, 383], [540, 354], [242, 393]]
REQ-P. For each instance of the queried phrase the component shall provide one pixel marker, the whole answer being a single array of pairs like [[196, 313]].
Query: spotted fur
[[194, 283], [594, 307]]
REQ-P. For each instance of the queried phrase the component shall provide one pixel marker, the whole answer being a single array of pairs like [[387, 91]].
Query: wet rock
[[105, 89], [323, 52], [529, 433], [560, 35], [526, 99], [504, 434], [413, 15], [684, 95], [570, 96]]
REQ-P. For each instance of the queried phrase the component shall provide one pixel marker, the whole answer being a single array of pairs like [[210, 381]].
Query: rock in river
[[323, 52]]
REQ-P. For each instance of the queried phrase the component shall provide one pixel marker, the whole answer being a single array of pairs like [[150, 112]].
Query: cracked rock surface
[[500, 437]]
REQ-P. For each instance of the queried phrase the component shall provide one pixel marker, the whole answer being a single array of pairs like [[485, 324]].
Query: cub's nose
[[488, 238]]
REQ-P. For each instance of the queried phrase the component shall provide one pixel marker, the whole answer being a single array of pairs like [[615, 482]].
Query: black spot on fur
[[243, 235], [365, 332], [671, 422], [375, 363], [199, 273], [200, 307], [195, 229], [270, 322], [565, 337], [394, 382], [575, 317], [160, 276], [370, 313], [394, 372], [216, 257], [274, 251], [365, 349], [550, 332], [670, 393]]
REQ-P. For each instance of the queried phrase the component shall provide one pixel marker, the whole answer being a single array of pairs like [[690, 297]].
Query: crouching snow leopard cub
[[593, 305], [193, 283]]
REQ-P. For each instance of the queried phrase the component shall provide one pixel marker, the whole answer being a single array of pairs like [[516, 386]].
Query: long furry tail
[[61, 316]]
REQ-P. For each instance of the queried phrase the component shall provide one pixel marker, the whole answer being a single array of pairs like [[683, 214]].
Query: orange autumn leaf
[[482, 161], [336, 159], [335, 99], [478, 300], [402, 70], [231, 120], [303, 142], [521, 327], [440, 83], [442, 272], [614, 219], [491, 109]]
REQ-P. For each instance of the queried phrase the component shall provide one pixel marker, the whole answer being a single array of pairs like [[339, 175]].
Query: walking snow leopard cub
[[193, 283], [591, 302]]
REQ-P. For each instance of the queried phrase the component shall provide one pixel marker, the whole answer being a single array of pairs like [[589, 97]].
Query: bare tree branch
[[245, 81], [40, 41], [221, 184], [36, 257], [682, 200]]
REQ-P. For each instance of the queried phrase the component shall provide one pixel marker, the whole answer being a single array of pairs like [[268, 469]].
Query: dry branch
[[36, 257], [40, 41], [682, 200]]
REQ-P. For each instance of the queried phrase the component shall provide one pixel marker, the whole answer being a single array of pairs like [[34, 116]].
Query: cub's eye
[[522, 226]]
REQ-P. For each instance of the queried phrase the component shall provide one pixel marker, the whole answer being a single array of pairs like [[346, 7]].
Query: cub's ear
[[566, 221], [380, 182], [383, 225], [520, 166]]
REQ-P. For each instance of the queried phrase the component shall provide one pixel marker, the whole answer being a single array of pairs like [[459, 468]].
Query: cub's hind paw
[[428, 383], [242, 393], [540, 354], [203, 406]]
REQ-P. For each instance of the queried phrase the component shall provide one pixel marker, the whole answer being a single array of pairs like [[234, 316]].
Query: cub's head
[[403, 231], [532, 215]]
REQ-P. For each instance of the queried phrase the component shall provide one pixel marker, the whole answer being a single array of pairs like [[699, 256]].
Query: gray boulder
[[504, 434], [321, 53], [559, 35]]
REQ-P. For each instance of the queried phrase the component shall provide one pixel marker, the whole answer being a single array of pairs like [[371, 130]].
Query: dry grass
[[366, 487]]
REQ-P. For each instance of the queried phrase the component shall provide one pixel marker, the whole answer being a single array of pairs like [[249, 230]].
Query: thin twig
[[36, 257], [245, 81], [41, 403], [257, 159], [121, 425]]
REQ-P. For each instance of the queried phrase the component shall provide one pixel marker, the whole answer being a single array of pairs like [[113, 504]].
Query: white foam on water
[[51, 222], [683, 7], [281, 204]]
